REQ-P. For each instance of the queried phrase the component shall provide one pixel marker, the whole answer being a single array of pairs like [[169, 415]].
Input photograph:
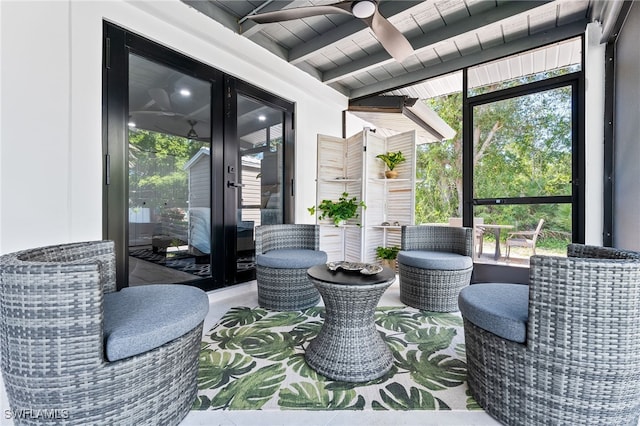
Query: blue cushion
[[438, 260], [138, 319], [502, 309], [291, 258]]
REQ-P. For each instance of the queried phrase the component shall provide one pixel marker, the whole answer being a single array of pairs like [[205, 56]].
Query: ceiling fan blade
[[390, 37], [161, 98], [343, 7], [157, 113]]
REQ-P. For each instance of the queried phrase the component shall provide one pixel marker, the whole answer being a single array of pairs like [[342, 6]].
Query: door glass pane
[[169, 174], [523, 148], [260, 197]]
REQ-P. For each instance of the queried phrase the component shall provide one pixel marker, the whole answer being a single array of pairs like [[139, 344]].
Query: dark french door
[[194, 161]]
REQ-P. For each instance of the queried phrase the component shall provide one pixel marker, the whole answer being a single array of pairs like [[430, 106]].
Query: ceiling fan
[[389, 36]]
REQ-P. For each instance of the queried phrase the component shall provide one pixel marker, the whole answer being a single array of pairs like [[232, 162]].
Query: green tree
[[157, 178], [521, 147]]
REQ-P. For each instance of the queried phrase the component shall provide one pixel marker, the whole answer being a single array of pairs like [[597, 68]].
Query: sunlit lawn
[[518, 255]]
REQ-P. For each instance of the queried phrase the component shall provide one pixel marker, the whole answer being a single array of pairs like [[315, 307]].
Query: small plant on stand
[[387, 256], [339, 211], [391, 159]]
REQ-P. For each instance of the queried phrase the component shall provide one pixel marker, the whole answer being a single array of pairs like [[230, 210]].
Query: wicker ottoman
[[349, 347], [431, 280], [282, 281]]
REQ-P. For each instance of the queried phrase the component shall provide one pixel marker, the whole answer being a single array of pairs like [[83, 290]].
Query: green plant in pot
[[391, 159], [388, 255], [339, 211]]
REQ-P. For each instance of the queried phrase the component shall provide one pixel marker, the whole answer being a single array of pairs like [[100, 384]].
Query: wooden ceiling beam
[[463, 26], [522, 44]]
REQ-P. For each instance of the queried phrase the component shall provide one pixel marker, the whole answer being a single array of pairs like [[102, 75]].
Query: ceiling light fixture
[[131, 123], [185, 92], [262, 118], [363, 9]]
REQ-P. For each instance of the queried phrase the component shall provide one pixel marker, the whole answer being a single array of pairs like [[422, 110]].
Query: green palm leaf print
[[242, 316], [251, 391], [217, 367], [435, 372], [254, 359], [314, 396], [396, 397], [397, 320]]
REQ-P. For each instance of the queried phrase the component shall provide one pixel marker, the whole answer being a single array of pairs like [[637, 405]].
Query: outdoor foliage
[[157, 179], [522, 148]]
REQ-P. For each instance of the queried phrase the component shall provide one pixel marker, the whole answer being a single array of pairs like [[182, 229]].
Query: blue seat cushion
[[291, 258], [138, 319], [502, 309], [438, 260]]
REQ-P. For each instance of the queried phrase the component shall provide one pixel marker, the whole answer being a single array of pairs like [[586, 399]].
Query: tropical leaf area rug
[[253, 359]]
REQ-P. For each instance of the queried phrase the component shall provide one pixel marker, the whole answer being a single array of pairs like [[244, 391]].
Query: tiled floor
[[246, 295]]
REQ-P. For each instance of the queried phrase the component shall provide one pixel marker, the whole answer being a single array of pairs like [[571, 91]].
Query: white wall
[[51, 100]]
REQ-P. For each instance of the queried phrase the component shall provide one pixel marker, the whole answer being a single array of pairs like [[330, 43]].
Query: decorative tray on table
[[363, 268]]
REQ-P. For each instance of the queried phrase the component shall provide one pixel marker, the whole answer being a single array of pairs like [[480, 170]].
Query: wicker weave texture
[[452, 239], [349, 347], [287, 236], [581, 360], [286, 289], [598, 252], [52, 345], [434, 290]]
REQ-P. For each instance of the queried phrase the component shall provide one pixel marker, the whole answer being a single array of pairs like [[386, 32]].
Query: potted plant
[[340, 211], [391, 159], [387, 256]]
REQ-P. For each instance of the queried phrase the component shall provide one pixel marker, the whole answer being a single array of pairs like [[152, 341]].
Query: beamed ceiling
[[446, 35]]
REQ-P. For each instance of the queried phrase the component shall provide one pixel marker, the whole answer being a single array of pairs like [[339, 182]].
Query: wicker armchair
[[55, 334], [434, 264], [283, 255], [578, 358]]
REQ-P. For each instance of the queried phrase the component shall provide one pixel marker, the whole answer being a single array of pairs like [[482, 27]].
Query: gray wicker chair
[[283, 255], [578, 359], [434, 264], [55, 334]]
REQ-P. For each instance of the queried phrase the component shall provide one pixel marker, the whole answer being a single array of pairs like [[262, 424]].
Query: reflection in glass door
[[261, 159], [194, 160], [169, 174]]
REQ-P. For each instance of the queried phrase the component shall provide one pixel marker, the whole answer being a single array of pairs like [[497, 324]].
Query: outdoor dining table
[[496, 232]]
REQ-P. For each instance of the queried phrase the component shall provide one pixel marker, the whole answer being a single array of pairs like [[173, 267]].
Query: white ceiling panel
[[342, 51]]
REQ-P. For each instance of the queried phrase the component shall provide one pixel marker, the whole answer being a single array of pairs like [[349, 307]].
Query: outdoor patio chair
[[434, 264], [524, 238], [283, 254], [76, 351], [564, 349]]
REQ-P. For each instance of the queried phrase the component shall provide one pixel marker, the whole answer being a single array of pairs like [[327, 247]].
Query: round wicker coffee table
[[349, 347]]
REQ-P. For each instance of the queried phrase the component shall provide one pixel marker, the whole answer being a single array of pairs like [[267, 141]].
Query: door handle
[[231, 184]]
